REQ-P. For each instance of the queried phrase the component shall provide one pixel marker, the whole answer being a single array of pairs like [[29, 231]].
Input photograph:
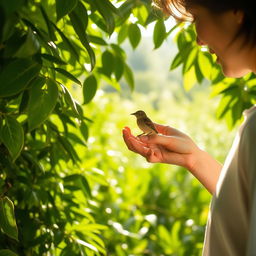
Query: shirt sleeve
[[251, 248], [247, 162]]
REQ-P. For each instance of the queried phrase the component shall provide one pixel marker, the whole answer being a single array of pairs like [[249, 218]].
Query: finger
[[127, 132], [167, 130], [161, 128], [158, 154], [171, 143], [133, 143], [126, 136], [154, 155], [138, 147]]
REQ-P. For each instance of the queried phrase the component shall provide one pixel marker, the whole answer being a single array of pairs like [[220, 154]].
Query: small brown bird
[[144, 123]]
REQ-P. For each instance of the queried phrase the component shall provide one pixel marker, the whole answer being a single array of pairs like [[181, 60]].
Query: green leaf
[[182, 43], [80, 181], [85, 186], [9, 27], [119, 68], [97, 20], [64, 7], [106, 9], [221, 87], [7, 218], [89, 88], [84, 130], [233, 112], [134, 35], [68, 75], [67, 42], [42, 100], [226, 101], [96, 40], [176, 61], [251, 83], [80, 14], [216, 74], [141, 12], [126, 7], [113, 83], [122, 34], [12, 136], [69, 99], [164, 235], [30, 47], [48, 23], [205, 64], [159, 33], [53, 59], [79, 24], [175, 233], [37, 81], [128, 75], [199, 75], [237, 111], [189, 79], [11, 6], [16, 75], [118, 51], [69, 149], [6, 252], [108, 63], [190, 59], [75, 138], [24, 101]]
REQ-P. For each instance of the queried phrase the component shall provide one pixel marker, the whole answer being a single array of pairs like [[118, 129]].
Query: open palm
[[169, 146]]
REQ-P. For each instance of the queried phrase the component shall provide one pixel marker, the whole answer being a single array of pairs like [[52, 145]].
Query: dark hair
[[177, 9]]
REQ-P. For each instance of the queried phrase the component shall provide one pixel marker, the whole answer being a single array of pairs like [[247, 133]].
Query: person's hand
[[168, 146]]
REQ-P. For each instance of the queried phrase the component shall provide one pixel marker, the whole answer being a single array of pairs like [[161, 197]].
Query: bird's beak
[[133, 113]]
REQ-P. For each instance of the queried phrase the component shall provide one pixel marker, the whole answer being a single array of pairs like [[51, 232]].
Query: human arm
[[174, 147]]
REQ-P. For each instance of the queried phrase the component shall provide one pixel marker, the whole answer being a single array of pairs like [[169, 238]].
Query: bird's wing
[[150, 124]]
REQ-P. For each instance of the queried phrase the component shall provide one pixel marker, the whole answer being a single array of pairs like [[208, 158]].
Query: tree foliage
[[48, 48]]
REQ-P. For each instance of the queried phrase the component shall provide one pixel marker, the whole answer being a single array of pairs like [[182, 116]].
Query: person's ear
[[239, 16]]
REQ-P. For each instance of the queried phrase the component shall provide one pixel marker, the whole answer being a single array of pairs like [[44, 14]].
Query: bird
[[144, 123]]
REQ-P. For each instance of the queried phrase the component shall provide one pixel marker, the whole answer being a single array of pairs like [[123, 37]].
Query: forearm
[[206, 169], [176, 149]]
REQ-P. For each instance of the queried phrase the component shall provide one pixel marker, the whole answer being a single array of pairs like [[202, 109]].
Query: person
[[228, 28]]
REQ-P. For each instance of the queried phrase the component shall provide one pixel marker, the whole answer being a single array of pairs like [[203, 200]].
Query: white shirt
[[231, 226]]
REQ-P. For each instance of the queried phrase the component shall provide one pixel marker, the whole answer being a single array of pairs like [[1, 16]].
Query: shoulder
[[247, 136], [247, 142], [248, 128], [246, 158]]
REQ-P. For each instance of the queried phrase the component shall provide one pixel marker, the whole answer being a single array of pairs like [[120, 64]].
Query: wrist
[[206, 169]]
